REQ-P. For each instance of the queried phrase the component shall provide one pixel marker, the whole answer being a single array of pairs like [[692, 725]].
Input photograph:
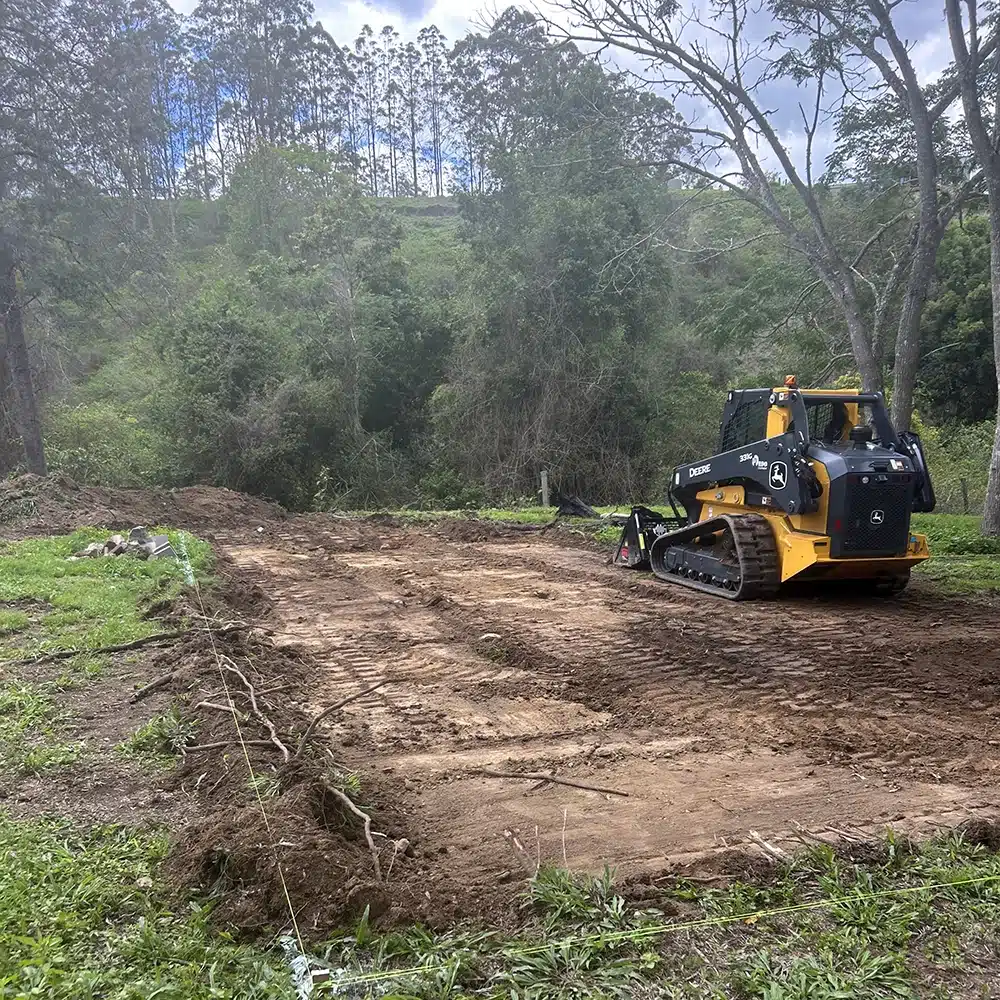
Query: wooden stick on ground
[[311, 728], [367, 820], [232, 668], [548, 776], [769, 849], [119, 647]]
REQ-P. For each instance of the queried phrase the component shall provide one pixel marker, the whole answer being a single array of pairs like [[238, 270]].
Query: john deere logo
[[878, 516], [777, 476]]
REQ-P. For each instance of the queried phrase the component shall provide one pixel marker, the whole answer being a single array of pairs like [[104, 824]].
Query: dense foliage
[[213, 292]]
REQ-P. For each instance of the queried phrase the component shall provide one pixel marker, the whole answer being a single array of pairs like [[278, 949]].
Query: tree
[[433, 49], [717, 60], [869, 30], [411, 74], [971, 51], [364, 63], [958, 381], [567, 297]]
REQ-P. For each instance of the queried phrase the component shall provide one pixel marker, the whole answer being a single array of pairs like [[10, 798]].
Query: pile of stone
[[138, 543]]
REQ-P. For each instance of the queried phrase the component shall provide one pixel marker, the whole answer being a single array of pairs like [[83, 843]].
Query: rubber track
[[755, 547]]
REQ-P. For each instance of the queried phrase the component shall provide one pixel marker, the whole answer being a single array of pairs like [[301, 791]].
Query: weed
[[349, 782], [266, 784], [86, 916], [162, 739], [41, 758], [27, 718], [13, 621]]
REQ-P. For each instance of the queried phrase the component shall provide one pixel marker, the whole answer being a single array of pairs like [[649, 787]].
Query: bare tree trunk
[[16, 353], [908, 333], [984, 138], [991, 508]]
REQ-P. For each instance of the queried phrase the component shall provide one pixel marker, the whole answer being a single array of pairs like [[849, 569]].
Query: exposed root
[[544, 776], [311, 728], [366, 819], [233, 669]]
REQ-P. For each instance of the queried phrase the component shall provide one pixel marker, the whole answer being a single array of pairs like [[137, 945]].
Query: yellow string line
[[246, 755], [642, 933]]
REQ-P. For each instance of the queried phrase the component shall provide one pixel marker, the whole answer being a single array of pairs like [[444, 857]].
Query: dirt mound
[[281, 824], [56, 504]]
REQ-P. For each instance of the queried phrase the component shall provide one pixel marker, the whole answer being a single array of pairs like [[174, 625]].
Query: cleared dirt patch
[[515, 652]]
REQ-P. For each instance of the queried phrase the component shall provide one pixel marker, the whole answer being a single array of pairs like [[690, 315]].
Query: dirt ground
[[527, 653], [695, 720]]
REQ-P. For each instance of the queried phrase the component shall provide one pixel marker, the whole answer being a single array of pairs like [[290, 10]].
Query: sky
[[345, 18], [920, 22]]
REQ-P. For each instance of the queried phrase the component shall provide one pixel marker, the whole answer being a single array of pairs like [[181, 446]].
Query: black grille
[[746, 425], [877, 518]]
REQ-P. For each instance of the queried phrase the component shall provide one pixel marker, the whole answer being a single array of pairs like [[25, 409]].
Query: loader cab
[[865, 478]]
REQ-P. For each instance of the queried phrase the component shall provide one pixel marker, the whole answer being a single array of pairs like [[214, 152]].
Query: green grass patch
[[161, 740], [13, 621], [824, 928], [955, 534], [94, 602], [87, 916], [962, 574], [28, 735]]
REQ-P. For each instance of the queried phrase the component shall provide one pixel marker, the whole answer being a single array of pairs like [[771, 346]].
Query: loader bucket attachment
[[640, 529]]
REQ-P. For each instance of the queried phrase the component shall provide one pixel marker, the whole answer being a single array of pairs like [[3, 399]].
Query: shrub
[[99, 444]]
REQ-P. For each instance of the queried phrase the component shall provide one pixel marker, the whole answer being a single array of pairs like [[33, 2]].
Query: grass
[[861, 932], [74, 605], [161, 740], [29, 741], [92, 602], [962, 559], [86, 915]]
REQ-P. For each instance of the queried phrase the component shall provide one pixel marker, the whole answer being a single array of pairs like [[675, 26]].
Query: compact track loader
[[808, 485]]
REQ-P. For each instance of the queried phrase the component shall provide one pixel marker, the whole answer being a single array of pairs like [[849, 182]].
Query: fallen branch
[[152, 686], [548, 776], [233, 669], [311, 728], [769, 849], [228, 743], [337, 793], [119, 647]]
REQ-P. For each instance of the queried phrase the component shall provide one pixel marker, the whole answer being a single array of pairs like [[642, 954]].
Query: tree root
[[545, 776], [311, 728], [366, 819], [261, 717]]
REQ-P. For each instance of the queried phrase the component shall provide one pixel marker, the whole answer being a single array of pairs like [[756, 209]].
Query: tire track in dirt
[[530, 655], [887, 698]]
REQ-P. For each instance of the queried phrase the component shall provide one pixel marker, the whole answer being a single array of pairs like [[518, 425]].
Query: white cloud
[[344, 19]]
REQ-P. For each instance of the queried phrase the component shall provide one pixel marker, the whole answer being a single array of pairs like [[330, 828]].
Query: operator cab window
[[830, 424]]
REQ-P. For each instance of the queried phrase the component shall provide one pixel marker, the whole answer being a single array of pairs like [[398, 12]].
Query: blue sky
[[920, 22]]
